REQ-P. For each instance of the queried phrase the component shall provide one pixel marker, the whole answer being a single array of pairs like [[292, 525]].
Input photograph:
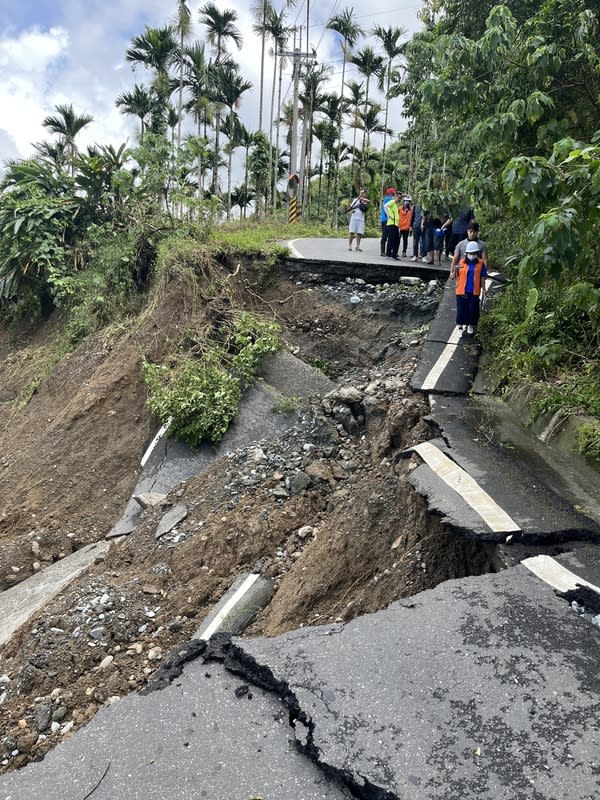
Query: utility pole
[[294, 181]]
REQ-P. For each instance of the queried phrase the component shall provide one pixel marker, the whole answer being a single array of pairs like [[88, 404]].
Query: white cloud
[[78, 56]]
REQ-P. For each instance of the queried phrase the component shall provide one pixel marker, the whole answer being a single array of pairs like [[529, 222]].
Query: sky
[[73, 51]]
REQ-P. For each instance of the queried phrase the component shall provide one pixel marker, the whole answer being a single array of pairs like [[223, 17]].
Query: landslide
[[325, 509]]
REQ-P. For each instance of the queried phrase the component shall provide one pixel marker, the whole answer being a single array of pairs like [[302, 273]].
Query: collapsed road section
[[388, 697]]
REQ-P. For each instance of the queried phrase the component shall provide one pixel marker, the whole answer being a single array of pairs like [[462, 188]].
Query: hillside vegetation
[[502, 107]]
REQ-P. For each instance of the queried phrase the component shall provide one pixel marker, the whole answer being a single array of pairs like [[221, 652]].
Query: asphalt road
[[485, 687]]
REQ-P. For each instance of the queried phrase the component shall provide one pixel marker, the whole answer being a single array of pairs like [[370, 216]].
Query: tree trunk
[[336, 177]]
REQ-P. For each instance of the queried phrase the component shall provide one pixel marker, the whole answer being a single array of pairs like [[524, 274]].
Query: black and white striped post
[[292, 191]]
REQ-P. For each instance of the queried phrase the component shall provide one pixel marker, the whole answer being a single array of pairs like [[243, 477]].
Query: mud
[[325, 510]]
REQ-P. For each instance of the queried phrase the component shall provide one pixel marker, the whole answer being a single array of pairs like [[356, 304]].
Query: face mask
[[471, 256]]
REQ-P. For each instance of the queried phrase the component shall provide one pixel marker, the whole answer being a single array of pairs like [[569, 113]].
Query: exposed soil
[[325, 510]]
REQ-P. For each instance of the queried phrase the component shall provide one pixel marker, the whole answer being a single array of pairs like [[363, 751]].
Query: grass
[[262, 239]]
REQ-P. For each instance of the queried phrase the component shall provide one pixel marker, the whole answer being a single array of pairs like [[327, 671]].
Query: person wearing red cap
[[388, 195]]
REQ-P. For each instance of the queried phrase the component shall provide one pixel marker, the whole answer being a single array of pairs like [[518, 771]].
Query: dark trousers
[[454, 239], [404, 237], [416, 240], [467, 309], [384, 235], [393, 241]]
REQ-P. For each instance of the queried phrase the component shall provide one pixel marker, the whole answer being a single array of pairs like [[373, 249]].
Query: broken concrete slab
[[172, 518], [22, 601], [149, 499], [247, 595], [483, 687]]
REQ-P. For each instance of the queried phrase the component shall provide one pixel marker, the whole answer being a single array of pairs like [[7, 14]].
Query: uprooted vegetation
[[324, 509]]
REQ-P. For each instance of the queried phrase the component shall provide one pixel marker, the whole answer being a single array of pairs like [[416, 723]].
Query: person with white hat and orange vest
[[470, 273]]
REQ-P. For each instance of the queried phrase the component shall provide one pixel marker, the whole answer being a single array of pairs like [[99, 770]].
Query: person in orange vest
[[405, 217], [470, 285]]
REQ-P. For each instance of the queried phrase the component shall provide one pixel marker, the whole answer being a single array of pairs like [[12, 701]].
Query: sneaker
[[414, 258], [470, 329], [426, 260]]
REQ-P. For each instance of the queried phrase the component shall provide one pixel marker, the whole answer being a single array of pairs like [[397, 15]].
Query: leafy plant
[[588, 440], [201, 391]]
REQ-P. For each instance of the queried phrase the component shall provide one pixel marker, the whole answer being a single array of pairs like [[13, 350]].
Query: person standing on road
[[470, 284], [417, 229], [461, 247], [358, 209], [459, 223], [393, 234], [389, 194], [405, 218]]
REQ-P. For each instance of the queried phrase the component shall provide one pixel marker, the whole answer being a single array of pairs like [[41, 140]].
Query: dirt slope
[[325, 509]]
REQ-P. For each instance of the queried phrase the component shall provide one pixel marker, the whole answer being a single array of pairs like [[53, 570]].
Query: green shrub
[[588, 440], [201, 391]]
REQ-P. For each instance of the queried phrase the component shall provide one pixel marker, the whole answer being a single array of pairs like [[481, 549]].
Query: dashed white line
[[230, 605], [156, 440], [440, 365], [560, 578], [467, 487]]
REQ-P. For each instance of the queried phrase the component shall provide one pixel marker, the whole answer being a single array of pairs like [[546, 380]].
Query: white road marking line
[[296, 253], [156, 440], [440, 365], [553, 573], [467, 487], [229, 605]]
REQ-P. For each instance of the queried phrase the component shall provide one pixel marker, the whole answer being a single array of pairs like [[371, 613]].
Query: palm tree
[[349, 31], [230, 88], [53, 153], [196, 81], [156, 50], [279, 32], [325, 133], [369, 64], [258, 165], [370, 121], [262, 11], [312, 100], [138, 103], [241, 196], [231, 127], [67, 125], [247, 140], [332, 107], [173, 120], [393, 48], [356, 99], [220, 28], [182, 26]]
